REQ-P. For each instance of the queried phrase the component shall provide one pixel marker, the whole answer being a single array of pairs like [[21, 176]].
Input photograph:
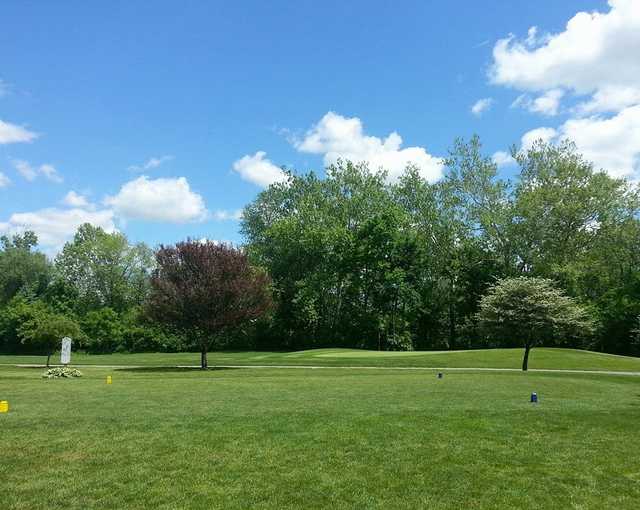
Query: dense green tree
[[22, 269], [532, 311], [42, 329], [305, 232], [104, 329], [562, 208], [357, 259], [104, 269], [477, 202], [580, 227]]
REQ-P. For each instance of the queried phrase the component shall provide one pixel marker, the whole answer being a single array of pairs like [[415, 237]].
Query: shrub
[[62, 373], [103, 329]]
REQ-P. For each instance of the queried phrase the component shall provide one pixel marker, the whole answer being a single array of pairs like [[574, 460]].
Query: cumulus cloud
[[610, 99], [335, 136], [30, 173], [168, 200], [481, 106], [54, 226], [596, 53], [150, 164], [74, 199], [596, 59], [545, 104], [10, 133], [259, 170], [545, 134], [4, 180], [502, 158], [612, 144]]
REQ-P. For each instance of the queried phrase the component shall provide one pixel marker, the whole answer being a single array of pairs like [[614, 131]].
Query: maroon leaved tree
[[204, 289]]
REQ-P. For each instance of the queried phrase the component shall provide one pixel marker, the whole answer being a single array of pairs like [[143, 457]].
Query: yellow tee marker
[[4, 406], [108, 379]]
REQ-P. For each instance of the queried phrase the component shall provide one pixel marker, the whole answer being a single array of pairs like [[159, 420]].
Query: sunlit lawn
[[496, 358], [269, 438]]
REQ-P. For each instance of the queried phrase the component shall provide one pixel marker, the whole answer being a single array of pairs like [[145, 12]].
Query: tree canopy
[[532, 311], [359, 260], [353, 258], [205, 289]]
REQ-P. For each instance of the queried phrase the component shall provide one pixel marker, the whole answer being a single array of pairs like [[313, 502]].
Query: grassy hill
[[547, 358]]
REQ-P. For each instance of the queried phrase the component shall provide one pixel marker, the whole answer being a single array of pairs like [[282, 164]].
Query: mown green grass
[[269, 438], [489, 358]]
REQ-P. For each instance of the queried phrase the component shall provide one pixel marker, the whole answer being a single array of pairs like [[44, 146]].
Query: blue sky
[[144, 110]]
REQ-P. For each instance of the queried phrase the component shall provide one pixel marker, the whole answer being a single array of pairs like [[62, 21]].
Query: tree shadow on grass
[[151, 370]]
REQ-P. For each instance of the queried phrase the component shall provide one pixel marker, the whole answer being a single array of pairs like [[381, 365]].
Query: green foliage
[[104, 330], [33, 326], [635, 338], [62, 373], [104, 269], [44, 329], [359, 260], [532, 311], [22, 270]]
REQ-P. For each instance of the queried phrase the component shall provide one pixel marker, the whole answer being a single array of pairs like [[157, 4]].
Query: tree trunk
[[48, 359], [525, 361], [203, 359]]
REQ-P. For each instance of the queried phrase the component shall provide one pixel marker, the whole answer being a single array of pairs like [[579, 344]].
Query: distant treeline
[[358, 261]]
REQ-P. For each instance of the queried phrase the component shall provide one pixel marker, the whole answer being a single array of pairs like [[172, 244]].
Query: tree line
[[351, 259], [361, 262]]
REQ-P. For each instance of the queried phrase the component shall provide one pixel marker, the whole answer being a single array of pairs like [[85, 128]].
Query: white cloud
[[10, 133], [259, 170], [597, 53], [55, 226], [481, 106], [30, 173], [223, 215], [150, 164], [337, 137], [169, 200], [25, 169], [74, 199], [532, 34], [545, 134], [219, 242], [595, 58], [502, 158], [610, 99], [50, 173], [4, 180], [546, 104], [612, 144]]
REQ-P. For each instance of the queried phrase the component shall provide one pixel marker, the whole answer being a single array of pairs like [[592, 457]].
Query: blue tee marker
[[534, 397]]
